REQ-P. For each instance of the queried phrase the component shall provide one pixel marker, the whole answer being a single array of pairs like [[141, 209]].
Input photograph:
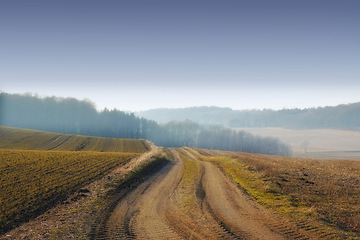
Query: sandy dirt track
[[193, 199]]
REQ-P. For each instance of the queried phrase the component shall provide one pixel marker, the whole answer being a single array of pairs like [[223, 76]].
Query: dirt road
[[193, 199]]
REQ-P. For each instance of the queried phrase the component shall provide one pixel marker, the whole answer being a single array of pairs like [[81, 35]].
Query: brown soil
[[212, 208]]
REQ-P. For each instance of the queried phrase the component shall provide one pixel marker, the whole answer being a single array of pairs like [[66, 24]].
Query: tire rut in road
[[115, 221], [150, 221], [139, 214], [190, 218], [231, 208], [237, 214]]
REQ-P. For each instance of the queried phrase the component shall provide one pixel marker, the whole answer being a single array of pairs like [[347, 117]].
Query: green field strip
[[16, 138]]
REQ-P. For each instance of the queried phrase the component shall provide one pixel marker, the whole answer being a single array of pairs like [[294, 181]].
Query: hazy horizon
[[140, 55], [156, 108]]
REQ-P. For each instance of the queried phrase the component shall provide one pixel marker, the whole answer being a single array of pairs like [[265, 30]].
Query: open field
[[198, 194], [32, 181], [208, 194], [17, 138], [322, 143], [321, 195]]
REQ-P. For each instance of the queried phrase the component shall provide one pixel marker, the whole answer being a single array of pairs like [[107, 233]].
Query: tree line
[[72, 116], [346, 116], [189, 133]]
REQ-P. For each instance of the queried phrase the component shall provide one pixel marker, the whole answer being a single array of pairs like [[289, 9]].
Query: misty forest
[[72, 116], [345, 117]]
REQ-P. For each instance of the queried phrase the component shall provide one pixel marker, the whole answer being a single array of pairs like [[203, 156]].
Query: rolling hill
[[40, 169], [25, 139]]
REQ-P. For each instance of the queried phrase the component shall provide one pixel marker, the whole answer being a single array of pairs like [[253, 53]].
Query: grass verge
[[189, 183]]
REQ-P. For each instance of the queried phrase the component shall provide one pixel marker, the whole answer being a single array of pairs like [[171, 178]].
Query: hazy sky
[[143, 54]]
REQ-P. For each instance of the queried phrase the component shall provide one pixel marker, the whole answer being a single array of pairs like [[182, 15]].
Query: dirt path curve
[[193, 199], [140, 212]]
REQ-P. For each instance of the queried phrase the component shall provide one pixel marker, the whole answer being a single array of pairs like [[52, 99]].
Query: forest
[[345, 116], [73, 116]]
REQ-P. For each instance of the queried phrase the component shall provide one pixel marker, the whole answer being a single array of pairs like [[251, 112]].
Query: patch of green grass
[[187, 187]]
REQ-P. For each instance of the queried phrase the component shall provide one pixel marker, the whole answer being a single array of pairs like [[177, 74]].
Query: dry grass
[[187, 188], [317, 193]]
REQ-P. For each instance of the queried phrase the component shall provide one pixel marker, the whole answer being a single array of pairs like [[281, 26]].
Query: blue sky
[[142, 54]]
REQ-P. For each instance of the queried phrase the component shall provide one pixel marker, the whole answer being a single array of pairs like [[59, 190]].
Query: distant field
[[322, 143], [17, 138], [39, 169]]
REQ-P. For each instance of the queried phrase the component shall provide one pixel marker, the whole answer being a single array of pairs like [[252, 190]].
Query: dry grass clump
[[322, 193], [331, 188], [188, 185]]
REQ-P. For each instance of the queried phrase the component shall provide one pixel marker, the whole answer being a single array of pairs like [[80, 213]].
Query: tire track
[[58, 145], [139, 215], [50, 142], [233, 210], [193, 222]]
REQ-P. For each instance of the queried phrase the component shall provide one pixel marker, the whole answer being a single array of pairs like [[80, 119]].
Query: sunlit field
[[17, 138], [31, 181], [319, 194]]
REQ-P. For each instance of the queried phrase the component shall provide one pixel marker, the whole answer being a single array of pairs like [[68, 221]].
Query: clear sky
[[142, 54]]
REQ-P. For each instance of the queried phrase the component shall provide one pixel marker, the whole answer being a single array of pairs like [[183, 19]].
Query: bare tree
[[305, 145]]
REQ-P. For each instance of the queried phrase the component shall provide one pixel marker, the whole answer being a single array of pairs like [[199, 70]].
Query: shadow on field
[[118, 192]]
